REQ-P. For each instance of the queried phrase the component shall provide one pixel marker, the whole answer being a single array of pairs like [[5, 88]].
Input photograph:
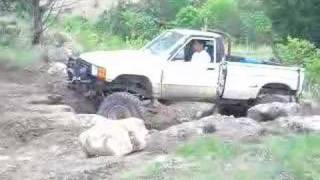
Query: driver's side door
[[187, 80]]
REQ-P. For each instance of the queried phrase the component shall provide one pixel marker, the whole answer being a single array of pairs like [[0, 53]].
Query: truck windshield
[[164, 44]]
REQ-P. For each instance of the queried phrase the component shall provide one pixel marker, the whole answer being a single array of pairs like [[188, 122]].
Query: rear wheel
[[122, 105]]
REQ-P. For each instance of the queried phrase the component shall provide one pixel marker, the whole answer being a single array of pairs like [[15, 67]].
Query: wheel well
[[134, 84], [276, 88]]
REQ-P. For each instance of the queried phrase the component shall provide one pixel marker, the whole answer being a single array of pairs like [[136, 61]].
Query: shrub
[[188, 17], [296, 52], [302, 52], [139, 25], [90, 36]]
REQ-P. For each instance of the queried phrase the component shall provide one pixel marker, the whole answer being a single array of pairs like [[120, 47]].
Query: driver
[[200, 55]]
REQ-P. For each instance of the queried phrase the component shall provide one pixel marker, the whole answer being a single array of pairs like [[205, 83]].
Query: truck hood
[[121, 57], [135, 62]]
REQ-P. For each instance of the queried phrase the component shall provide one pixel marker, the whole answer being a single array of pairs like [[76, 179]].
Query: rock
[[272, 111], [236, 128], [301, 123], [179, 112], [114, 138], [137, 132], [310, 107], [89, 120], [57, 68], [221, 126]]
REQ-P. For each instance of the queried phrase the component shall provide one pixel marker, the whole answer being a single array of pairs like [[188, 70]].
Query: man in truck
[[200, 55]]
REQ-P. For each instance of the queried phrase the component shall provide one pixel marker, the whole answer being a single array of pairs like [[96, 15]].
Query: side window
[[197, 50]]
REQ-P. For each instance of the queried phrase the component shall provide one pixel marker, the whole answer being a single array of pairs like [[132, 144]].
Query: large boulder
[[114, 138], [272, 111], [301, 123]]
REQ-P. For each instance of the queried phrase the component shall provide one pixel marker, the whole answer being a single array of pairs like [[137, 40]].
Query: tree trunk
[[37, 22]]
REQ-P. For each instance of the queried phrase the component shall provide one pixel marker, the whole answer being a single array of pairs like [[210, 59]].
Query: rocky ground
[[39, 129]]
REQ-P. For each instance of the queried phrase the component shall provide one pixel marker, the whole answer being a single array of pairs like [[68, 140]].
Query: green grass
[[19, 57], [295, 157]]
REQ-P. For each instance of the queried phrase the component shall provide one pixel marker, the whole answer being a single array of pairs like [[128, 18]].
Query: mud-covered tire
[[122, 105]]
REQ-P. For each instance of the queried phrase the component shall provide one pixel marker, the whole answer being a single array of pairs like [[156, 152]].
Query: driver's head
[[198, 45]]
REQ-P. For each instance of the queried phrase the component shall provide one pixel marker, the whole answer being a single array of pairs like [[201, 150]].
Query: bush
[[304, 53], [296, 52], [90, 36], [188, 17], [139, 25], [222, 14]]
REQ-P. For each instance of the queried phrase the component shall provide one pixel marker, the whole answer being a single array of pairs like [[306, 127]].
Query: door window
[[197, 50]]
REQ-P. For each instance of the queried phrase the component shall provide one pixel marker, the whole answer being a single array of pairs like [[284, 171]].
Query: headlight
[[99, 72]]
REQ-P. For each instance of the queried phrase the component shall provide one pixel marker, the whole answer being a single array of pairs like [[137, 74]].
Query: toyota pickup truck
[[127, 82]]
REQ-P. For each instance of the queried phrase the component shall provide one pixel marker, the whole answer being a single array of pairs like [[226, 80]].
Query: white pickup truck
[[127, 81]]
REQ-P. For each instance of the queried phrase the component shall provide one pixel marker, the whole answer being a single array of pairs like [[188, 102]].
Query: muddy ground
[[38, 140]]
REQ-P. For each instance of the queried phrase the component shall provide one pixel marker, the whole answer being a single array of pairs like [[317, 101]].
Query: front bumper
[[79, 71], [81, 79]]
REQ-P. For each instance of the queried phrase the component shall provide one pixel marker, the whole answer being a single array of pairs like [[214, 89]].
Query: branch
[[49, 4], [50, 12], [54, 19]]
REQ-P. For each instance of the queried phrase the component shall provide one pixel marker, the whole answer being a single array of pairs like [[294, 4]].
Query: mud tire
[[122, 105]]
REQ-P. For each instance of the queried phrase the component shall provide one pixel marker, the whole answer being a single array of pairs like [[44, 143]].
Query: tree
[[43, 13], [295, 18]]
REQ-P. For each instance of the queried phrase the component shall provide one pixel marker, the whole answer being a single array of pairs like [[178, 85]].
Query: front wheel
[[122, 105]]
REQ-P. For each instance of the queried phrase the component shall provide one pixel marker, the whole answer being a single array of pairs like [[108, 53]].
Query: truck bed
[[245, 80]]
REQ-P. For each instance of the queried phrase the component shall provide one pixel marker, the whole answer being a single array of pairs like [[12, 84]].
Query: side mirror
[[179, 56]]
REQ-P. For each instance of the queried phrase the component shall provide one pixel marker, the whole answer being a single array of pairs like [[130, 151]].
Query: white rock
[[89, 120], [137, 132], [300, 123], [114, 137], [272, 111], [57, 68]]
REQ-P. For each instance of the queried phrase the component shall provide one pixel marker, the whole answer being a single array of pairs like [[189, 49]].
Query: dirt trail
[[36, 139]]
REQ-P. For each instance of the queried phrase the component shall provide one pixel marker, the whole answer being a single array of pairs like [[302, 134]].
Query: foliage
[[221, 14], [188, 17], [163, 10], [257, 26], [296, 52], [139, 25], [88, 35], [292, 157], [15, 42], [298, 19], [302, 52]]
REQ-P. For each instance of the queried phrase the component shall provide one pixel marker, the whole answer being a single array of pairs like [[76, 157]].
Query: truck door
[[185, 79]]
